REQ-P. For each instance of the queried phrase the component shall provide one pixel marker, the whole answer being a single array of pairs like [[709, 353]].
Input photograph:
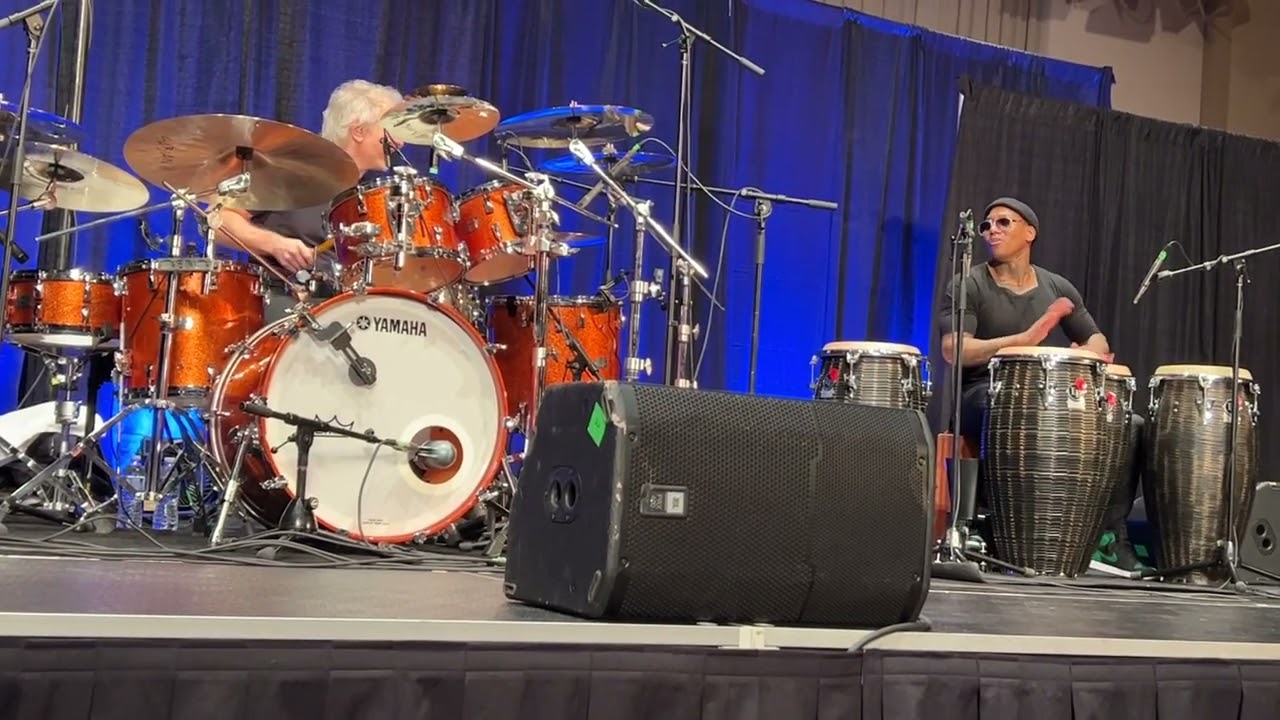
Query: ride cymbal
[[289, 167], [418, 119], [639, 164], [42, 127], [592, 124], [76, 181]]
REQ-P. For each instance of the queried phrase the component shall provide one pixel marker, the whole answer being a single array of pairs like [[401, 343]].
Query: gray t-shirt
[[992, 311]]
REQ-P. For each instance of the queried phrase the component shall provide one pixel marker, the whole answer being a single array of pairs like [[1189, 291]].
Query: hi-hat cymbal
[[577, 239], [75, 181], [289, 168], [42, 127], [592, 124], [419, 119], [639, 164]]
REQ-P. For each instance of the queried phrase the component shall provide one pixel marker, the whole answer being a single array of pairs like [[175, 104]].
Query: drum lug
[[276, 483], [494, 348]]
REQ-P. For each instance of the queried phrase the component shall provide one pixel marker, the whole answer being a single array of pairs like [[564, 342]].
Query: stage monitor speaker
[[651, 502], [1260, 546]]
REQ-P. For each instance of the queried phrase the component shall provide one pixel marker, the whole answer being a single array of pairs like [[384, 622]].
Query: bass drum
[[390, 498]]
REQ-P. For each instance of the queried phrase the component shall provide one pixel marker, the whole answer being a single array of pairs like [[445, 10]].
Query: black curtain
[[1111, 189]]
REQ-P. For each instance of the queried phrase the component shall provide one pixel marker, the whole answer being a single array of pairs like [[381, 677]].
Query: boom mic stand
[[644, 221], [35, 41], [679, 289], [1227, 555]]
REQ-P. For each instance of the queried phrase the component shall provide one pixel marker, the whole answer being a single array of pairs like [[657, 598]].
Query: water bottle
[[165, 516], [129, 491]]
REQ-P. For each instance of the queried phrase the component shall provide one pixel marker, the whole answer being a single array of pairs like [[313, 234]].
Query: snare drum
[[218, 304], [493, 221], [1189, 429], [71, 308], [873, 373], [393, 496], [1043, 446], [362, 222], [593, 322]]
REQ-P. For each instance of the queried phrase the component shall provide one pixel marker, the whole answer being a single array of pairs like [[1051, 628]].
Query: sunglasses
[[1003, 223]]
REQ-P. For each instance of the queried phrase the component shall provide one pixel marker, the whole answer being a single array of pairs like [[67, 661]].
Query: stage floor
[[184, 599]]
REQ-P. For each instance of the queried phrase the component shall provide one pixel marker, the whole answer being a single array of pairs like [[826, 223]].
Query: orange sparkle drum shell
[[596, 324], [213, 312], [434, 259], [70, 308], [493, 220]]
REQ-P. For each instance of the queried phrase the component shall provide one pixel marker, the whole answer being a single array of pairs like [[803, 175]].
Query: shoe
[[1115, 550]]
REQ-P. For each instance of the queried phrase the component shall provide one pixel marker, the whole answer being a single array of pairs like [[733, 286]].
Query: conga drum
[[1184, 483], [1046, 483], [1118, 389], [872, 373]]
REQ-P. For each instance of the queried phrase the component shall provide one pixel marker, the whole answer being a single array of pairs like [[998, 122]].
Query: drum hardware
[[252, 163], [540, 245], [686, 265], [677, 335], [1227, 559], [299, 516], [42, 203]]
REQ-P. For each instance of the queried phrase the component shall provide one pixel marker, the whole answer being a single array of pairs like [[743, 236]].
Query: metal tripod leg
[[231, 494]]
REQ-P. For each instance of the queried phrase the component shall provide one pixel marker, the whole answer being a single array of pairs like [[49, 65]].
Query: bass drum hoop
[[227, 460]]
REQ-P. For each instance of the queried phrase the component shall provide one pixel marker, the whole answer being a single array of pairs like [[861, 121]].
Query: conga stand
[[1227, 558]]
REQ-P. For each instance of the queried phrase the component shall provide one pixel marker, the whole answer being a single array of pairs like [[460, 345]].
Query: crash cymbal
[[639, 164], [438, 89], [289, 168], [420, 118], [592, 124], [76, 181], [42, 127]]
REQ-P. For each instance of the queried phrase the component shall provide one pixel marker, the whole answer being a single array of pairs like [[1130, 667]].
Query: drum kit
[[385, 413]]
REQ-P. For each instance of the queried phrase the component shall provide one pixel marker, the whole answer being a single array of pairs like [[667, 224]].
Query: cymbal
[[76, 181], [42, 127], [641, 163], [459, 117], [289, 168], [592, 124]]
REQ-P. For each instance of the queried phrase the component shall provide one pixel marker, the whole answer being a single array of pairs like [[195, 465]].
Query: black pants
[[973, 418]]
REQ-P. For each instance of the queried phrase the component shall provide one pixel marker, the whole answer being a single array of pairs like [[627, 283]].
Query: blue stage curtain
[[852, 109]]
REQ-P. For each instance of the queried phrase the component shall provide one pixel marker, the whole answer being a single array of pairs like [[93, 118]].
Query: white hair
[[356, 102]]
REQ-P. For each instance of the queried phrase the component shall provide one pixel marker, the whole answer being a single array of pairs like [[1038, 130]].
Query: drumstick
[[325, 246]]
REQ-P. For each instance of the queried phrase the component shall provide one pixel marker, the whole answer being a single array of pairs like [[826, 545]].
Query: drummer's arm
[[978, 352], [1081, 327], [258, 239]]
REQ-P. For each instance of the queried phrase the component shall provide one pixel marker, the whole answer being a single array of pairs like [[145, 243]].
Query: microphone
[[967, 217], [436, 454], [24, 14], [390, 150], [614, 171], [605, 290], [1151, 273], [447, 146]]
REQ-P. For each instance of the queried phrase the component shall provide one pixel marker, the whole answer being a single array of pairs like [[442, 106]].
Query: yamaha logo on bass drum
[[393, 326]]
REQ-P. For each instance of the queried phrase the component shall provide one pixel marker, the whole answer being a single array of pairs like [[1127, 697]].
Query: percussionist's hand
[[1060, 308], [293, 254], [1109, 357]]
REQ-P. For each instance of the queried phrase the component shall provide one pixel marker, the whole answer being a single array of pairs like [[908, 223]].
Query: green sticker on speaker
[[596, 426]]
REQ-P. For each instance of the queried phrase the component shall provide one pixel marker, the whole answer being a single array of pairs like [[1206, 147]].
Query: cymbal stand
[[645, 222], [640, 290]]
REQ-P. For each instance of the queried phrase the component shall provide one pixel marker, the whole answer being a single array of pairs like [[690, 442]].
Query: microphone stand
[[1227, 556], [679, 288], [763, 210], [35, 41]]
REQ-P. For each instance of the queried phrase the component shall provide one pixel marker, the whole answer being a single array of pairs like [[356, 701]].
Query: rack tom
[[1189, 429], [61, 309], [494, 220], [364, 224], [873, 373], [1043, 444]]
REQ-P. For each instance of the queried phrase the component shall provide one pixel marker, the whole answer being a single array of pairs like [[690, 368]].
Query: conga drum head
[[1037, 351], [868, 346], [1195, 371]]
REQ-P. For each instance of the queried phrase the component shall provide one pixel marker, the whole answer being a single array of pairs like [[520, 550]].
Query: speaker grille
[[794, 508]]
